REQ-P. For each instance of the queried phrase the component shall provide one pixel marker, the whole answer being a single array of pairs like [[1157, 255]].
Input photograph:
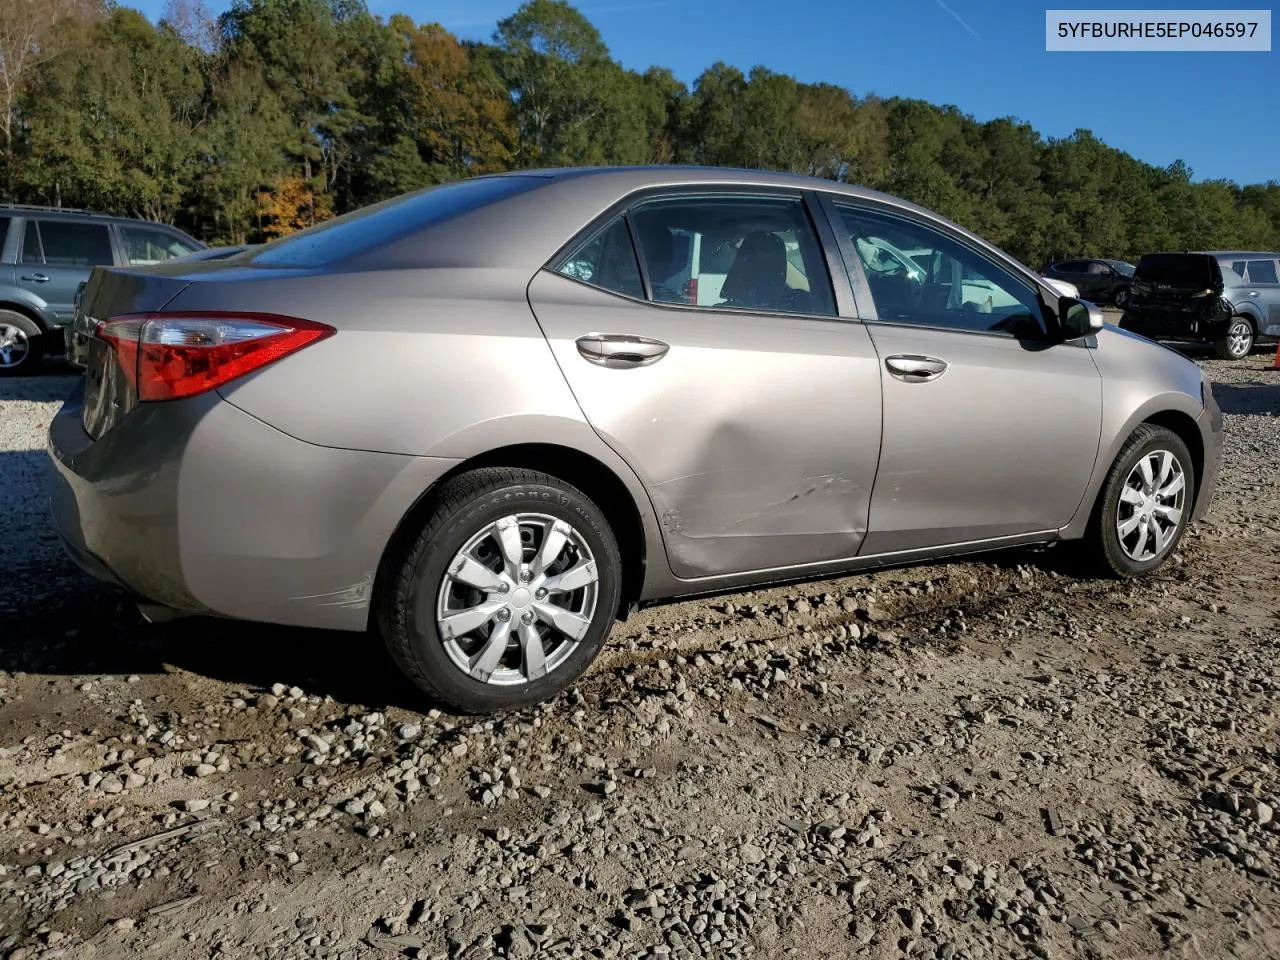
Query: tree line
[[281, 113]]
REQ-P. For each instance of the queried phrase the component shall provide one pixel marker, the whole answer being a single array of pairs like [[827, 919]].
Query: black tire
[[416, 568], [32, 344], [1103, 547], [1120, 297], [1226, 349]]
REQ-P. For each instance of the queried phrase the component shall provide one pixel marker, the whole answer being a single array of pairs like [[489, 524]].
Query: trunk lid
[[109, 392]]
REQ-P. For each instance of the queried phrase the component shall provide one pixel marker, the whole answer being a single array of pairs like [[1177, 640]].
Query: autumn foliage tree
[[290, 205]]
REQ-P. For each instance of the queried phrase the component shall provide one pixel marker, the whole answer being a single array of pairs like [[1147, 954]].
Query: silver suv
[[45, 256]]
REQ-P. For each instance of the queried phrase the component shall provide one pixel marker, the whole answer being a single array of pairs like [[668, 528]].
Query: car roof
[[528, 228], [68, 213], [1238, 254], [631, 178]]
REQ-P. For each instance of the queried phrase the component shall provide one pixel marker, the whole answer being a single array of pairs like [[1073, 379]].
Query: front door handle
[[621, 349], [912, 368], [37, 277]]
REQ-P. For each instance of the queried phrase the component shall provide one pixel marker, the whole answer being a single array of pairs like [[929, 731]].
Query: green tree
[[309, 54], [113, 123], [30, 38], [572, 103]]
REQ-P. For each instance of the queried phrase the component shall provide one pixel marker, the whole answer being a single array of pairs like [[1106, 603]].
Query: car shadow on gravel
[[1258, 399], [52, 384], [94, 629]]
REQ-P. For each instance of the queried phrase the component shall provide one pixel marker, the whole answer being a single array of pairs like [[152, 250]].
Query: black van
[[1199, 297]]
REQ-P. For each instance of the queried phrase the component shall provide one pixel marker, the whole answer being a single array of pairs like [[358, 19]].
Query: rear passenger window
[[70, 244], [4, 231], [733, 252], [607, 260], [1262, 271], [143, 245]]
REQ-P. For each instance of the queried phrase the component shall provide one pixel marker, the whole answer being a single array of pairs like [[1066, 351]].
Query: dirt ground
[[982, 759]]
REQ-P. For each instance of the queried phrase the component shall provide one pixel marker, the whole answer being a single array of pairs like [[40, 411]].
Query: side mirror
[[1079, 318]]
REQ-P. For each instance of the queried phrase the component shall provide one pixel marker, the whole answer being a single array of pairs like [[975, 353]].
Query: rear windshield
[[372, 226], [1178, 268]]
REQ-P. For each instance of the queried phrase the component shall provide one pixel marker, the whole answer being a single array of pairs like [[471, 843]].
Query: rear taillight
[[691, 291], [172, 355]]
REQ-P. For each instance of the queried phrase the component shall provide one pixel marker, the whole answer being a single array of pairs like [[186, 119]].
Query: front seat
[[757, 278]]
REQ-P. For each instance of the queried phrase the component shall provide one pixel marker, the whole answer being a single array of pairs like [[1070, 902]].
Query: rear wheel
[[21, 344], [1238, 342], [1145, 504], [506, 594]]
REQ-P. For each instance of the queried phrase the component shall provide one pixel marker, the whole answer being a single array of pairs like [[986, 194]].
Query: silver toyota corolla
[[488, 418]]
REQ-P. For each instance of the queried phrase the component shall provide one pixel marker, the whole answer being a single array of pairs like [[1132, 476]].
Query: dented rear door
[[756, 435]]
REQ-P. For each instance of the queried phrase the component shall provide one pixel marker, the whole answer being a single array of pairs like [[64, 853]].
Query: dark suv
[[46, 253], [1229, 299], [1099, 281]]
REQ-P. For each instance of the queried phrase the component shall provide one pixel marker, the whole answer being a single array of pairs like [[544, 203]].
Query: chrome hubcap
[[1151, 505], [1239, 339], [14, 345], [517, 599]]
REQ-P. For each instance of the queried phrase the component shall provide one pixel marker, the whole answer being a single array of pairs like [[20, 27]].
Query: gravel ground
[[985, 759]]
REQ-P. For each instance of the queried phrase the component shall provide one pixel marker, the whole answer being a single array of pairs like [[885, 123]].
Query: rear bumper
[[1175, 326], [197, 506]]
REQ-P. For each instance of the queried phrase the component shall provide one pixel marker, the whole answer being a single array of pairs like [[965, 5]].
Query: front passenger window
[[921, 276]]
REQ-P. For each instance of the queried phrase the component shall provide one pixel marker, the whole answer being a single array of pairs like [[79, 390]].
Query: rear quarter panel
[[422, 360], [441, 362]]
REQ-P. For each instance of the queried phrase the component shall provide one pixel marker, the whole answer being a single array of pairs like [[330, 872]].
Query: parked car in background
[[478, 418], [1229, 299], [1100, 281], [45, 255]]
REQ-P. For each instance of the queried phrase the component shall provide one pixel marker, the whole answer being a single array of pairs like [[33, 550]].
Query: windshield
[[1122, 268]]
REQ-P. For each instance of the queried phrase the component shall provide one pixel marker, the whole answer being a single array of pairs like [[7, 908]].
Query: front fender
[[1141, 381], [1157, 407]]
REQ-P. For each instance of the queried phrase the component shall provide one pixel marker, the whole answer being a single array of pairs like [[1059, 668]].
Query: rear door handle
[[38, 277], [621, 349], [912, 368]]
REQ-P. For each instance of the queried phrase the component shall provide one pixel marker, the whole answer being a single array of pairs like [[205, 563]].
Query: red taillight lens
[[691, 291], [169, 356]]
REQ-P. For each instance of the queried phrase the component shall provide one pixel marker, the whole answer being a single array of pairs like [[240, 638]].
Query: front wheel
[[505, 595], [1238, 342], [1121, 297], [1144, 505]]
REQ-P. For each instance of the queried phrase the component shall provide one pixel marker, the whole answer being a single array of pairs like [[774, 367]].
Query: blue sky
[[1216, 111]]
